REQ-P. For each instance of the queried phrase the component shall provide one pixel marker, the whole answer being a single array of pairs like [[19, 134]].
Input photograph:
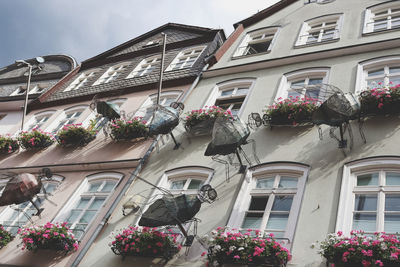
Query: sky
[[85, 28]]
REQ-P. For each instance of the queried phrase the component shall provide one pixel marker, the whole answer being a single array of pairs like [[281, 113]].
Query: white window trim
[[305, 27], [150, 62], [350, 172], [40, 115], [369, 17], [244, 197], [152, 99], [112, 72], [304, 73], [363, 67], [241, 49], [218, 88], [65, 112], [181, 54], [81, 79], [64, 212], [33, 89]]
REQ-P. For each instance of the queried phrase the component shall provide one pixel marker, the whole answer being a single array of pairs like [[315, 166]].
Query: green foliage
[[209, 113], [8, 145], [35, 139], [128, 130], [384, 100], [5, 237], [75, 135]]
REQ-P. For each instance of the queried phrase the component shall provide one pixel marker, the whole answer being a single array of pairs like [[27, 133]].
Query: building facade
[[302, 188]]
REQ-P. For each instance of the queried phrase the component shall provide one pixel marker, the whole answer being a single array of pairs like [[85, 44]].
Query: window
[[145, 67], [81, 81], [68, 116], [166, 98], [255, 42], [321, 29], [38, 120], [152, 43], [370, 196], [270, 200], [303, 83], [382, 17], [34, 89], [15, 216], [186, 58], [378, 72], [112, 74], [87, 200], [231, 95]]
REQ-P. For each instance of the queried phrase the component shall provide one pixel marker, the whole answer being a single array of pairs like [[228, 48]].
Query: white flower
[[232, 248], [217, 247], [241, 248]]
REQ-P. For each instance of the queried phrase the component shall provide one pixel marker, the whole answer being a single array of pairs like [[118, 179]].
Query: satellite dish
[[40, 59]]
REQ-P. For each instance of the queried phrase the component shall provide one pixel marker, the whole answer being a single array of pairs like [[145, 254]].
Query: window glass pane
[[242, 91], [312, 93], [277, 221], [298, 84], [79, 230], [252, 221], [73, 216], [258, 203], [265, 182], [258, 47], [314, 81], [93, 187], [394, 70], [368, 179], [195, 184], [392, 178], [179, 184], [365, 203], [376, 72], [50, 187], [96, 204], [83, 202], [392, 202], [288, 182], [375, 83], [394, 80], [277, 234], [392, 223], [282, 203], [293, 94], [227, 92], [87, 216], [109, 185], [365, 222]]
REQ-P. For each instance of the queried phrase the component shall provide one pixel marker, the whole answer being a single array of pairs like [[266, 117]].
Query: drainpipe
[[117, 200]]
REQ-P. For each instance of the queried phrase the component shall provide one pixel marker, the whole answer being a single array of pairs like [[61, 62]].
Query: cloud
[[86, 28]]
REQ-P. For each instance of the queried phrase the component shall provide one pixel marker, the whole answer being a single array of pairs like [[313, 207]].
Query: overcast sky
[[85, 28]]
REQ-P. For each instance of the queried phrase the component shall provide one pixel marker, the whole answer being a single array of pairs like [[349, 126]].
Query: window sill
[[317, 43], [251, 55]]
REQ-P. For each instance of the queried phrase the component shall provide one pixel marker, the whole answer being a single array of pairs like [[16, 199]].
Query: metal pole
[[26, 96], [162, 67]]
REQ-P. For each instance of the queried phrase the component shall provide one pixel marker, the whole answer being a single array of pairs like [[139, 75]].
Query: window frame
[[247, 190], [82, 80], [288, 78], [348, 191], [302, 39], [151, 62], [369, 17], [38, 117], [181, 54], [62, 117], [244, 44], [112, 73], [74, 199], [370, 64]]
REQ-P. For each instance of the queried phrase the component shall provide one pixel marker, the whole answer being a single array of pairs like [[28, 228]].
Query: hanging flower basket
[[291, 112], [8, 145], [145, 242], [380, 101], [201, 121], [5, 237], [227, 247], [122, 130], [74, 135], [361, 250], [49, 236], [35, 139]]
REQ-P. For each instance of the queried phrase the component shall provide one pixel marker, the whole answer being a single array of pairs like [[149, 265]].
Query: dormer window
[[152, 43], [34, 89], [319, 30], [81, 81], [112, 74], [145, 67], [186, 58], [255, 42], [382, 17]]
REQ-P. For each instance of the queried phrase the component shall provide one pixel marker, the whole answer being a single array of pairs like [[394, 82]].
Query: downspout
[[117, 200]]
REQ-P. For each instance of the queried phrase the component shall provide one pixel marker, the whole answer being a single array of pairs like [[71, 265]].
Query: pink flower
[[379, 263], [204, 253], [236, 257]]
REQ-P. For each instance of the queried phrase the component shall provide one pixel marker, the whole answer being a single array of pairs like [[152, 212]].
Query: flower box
[[361, 250], [230, 247], [5, 237], [49, 236], [144, 242], [291, 112], [122, 130], [380, 101], [35, 139], [74, 135], [201, 122], [8, 145]]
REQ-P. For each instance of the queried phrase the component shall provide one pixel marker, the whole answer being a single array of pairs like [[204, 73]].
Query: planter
[[166, 254], [36, 139], [357, 264], [201, 122], [200, 127], [8, 145], [128, 130], [380, 101], [75, 136]]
